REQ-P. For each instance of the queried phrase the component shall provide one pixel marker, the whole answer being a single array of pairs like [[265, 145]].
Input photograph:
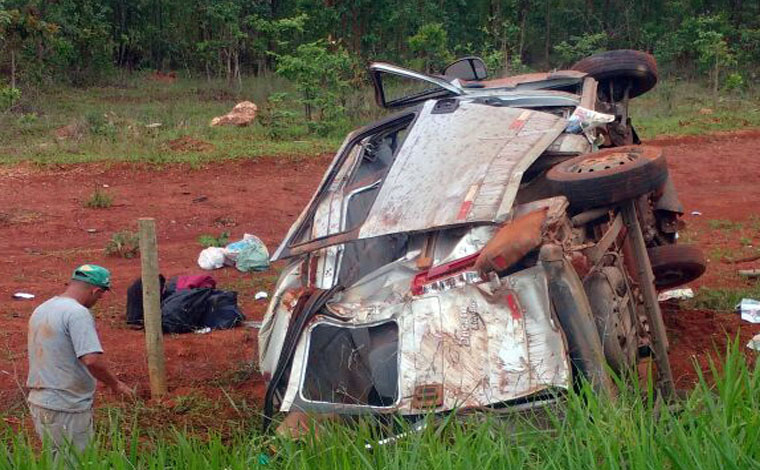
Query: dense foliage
[[83, 40]]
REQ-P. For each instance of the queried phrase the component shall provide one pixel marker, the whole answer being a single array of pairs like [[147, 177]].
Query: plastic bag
[[211, 258], [584, 119], [253, 257], [233, 249]]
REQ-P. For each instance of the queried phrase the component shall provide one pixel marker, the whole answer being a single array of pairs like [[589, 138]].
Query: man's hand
[[99, 369]]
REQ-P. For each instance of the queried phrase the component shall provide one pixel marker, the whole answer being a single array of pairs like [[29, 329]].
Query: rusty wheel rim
[[603, 162]]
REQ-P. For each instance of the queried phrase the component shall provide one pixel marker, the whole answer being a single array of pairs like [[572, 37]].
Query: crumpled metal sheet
[[461, 167], [481, 345]]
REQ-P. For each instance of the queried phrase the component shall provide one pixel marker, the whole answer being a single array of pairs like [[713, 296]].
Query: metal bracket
[[652, 307]]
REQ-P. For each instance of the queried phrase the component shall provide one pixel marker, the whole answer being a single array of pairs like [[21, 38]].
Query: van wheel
[[617, 70], [609, 176], [676, 265]]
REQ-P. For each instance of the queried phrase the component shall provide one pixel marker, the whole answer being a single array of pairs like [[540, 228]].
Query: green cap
[[93, 274]]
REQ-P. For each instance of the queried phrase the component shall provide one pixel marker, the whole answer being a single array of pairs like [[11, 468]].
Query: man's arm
[[99, 369]]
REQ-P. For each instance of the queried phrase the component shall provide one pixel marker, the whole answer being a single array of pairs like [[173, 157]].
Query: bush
[[123, 244], [734, 81], [324, 75], [8, 97], [277, 119], [99, 200], [430, 45], [207, 240], [100, 125], [580, 47]]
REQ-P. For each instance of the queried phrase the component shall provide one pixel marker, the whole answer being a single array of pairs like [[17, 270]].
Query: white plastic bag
[[211, 258], [583, 120]]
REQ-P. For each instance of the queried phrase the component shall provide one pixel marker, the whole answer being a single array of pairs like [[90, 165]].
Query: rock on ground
[[241, 115]]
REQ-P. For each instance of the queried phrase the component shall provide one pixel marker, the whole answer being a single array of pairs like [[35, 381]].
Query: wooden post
[[154, 340]]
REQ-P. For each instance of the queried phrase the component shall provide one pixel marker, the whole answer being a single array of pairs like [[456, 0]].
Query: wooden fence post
[[154, 340]]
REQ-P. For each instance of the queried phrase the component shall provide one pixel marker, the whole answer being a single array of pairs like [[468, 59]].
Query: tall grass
[[716, 426], [138, 119]]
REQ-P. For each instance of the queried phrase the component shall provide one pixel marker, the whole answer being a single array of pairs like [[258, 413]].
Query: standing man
[[65, 358]]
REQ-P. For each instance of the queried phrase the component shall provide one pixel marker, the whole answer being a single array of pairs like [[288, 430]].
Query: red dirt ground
[[44, 233]]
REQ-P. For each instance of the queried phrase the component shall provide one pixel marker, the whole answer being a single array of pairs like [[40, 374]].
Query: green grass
[[137, 120], [123, 244], [206, 240], [686, 108], [114, 123], [727, 225], [715, 426], [722, 299], [99, 199]]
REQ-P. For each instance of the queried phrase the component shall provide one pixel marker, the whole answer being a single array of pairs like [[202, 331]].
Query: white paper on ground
[[749, 310], [23, 295], [754, 343], [678, 294]]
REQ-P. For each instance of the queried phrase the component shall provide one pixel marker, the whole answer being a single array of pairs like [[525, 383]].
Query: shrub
[[8, 97], [99, 200], [277, 119], [207, 240], [123, 244]]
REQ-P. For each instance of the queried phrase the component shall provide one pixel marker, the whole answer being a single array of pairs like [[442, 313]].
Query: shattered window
[[353, 366]]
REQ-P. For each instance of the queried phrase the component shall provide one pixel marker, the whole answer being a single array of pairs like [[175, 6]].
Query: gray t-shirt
[[61, 331]]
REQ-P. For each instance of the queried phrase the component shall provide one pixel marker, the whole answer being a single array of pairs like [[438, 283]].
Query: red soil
[[45, 232]]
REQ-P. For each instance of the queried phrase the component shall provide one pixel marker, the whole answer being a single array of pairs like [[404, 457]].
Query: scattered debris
[[188, 144], [260, 295], [749, 310], [211, 258], [241, 115], [696, 213], [676, 294], [253, 257], [750, 273], [23, 296], [754, 343], [253, 324], [583, 120], [248, 254], [202, 331]]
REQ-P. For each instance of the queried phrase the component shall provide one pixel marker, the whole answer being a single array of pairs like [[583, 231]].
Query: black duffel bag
[[188, 310]]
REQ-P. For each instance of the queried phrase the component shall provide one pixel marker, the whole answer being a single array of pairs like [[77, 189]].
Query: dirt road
[[45, 231]]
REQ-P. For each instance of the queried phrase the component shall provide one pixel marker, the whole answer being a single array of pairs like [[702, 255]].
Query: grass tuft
[[99, 200], [123, 244], [206, 240]]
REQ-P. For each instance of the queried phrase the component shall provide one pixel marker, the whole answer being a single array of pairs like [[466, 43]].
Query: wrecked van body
[[475, 250]]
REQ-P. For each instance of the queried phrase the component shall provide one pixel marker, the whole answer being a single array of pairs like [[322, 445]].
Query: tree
[[430, 46]]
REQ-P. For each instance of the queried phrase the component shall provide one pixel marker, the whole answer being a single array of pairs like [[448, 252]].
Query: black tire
[[676, 265], [609, 176], [620, 68]]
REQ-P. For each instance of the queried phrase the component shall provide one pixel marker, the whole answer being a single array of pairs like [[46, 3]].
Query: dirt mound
[[188, 144]]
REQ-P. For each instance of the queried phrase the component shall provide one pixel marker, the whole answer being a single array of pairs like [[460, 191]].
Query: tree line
[[322, 44]]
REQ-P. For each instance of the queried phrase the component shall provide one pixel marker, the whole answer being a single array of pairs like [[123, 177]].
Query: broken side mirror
[[467, 68]]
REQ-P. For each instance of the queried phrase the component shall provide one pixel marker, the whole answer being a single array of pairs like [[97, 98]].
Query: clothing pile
[[188, 303]]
